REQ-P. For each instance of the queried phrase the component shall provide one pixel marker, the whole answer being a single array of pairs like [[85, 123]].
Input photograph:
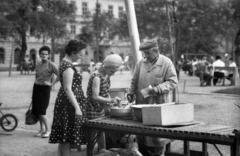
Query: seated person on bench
[[203, 71], [218, 75], [231, 64]]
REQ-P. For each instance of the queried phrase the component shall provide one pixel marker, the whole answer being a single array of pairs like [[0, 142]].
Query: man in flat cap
[[156, 75]]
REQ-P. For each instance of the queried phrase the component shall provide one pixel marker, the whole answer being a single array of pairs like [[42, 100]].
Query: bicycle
[[8, 122]]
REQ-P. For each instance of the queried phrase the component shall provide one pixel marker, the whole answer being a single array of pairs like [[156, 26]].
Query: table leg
[[168, 147], [204, 149], [235, 148], [186, 148], [92, 141], [89, 142]]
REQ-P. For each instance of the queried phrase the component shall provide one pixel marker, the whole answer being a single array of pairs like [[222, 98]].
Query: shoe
[[45, 134], [39, 134]]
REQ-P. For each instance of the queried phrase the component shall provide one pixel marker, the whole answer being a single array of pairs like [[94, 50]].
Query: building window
[[110, 9], [120, 12], [84, 8], [73, 29], [2, 57], [16, 56]]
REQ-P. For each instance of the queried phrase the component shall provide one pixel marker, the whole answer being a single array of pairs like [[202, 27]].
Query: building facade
[[9, 53]]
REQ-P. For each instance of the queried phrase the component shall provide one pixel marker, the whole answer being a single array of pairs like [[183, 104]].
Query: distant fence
[[7, 68]]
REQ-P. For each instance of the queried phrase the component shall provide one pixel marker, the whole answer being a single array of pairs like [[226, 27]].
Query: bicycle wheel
[[8, 122]]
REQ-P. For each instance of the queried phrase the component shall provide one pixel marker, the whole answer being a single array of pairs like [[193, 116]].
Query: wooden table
[[201, 132]]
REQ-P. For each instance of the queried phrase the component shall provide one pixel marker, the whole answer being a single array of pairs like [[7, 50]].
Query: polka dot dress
[[67, 127]]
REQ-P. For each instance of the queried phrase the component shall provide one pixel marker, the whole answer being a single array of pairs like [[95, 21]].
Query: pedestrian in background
[[69, 110], [232, 63], [98, 92], [157, 74], [92, 66], [45, 69]]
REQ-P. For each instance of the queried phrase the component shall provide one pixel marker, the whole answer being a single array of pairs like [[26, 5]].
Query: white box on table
[[167, 114]]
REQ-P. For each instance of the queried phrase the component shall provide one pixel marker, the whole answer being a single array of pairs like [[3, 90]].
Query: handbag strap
[[30, 106]]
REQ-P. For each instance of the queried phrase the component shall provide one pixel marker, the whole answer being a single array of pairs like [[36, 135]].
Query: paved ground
[[15, 93]]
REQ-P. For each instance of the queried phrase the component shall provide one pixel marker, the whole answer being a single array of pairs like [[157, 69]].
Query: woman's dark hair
[[44, 48], [74, 46]]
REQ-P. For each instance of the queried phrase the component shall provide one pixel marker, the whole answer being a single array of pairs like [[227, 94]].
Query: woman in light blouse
[[41, 90]]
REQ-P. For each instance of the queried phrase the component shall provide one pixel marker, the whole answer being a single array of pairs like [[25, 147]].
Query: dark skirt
[[40, 99]]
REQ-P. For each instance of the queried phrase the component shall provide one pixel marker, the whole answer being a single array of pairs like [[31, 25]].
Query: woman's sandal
[[45, 134], [39, 134]]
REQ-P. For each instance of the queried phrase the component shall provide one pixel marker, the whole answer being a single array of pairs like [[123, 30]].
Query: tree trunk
[[23, 46], [237, 49], [53, 48]]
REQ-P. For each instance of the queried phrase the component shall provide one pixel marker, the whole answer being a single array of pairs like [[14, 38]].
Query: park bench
[[234, 80]]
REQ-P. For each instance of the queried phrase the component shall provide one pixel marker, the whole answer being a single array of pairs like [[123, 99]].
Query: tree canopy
[[20, 18], [97, 27], [199, 26]]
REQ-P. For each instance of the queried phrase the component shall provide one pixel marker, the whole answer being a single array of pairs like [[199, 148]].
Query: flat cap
[[148, 44]]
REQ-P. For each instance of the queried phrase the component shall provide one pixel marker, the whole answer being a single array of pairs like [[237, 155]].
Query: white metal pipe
[[133, 28]]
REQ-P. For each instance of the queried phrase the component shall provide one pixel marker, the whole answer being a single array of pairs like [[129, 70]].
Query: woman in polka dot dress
[[69, 111]]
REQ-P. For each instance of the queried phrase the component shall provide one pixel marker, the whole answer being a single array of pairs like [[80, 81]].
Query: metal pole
[[170, 33], [184, 84], [171, 45], [133, 29], [97, 36]]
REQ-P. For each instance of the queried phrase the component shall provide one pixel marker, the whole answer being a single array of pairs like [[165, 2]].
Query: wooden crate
[[164, 115]]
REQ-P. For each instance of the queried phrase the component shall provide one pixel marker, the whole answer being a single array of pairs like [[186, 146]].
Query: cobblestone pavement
[[15, 93]]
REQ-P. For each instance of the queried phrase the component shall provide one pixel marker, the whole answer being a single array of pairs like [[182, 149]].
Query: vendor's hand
[[153, 90], [130, 97]]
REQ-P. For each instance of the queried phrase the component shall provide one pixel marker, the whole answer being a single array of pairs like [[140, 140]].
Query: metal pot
[[121, 112], [137, 111]]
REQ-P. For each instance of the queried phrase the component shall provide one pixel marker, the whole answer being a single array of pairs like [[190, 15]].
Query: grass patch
[[235, 90]]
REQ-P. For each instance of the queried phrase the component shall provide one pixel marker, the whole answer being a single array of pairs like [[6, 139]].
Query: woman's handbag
[[30, 118]]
